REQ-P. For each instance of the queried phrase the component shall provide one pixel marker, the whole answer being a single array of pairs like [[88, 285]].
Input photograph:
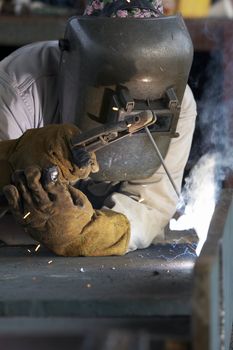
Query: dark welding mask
[[115, 67]]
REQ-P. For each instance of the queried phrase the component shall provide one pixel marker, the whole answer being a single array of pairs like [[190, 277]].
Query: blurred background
[[42, 7], [190, 8]]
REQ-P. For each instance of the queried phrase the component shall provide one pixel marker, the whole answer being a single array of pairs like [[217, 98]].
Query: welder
[[112, 217]]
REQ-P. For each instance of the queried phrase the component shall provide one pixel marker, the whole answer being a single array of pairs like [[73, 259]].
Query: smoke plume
[[200, 193], [202, 187]]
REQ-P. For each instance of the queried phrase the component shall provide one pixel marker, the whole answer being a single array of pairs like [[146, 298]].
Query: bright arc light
[[201, 191], [146, 80]]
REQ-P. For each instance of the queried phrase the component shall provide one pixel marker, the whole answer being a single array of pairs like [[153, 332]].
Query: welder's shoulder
[[30, 62], [26, 76], [188, 106]]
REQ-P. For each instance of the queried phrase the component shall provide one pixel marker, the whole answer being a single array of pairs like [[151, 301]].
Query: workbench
[[147, 291]]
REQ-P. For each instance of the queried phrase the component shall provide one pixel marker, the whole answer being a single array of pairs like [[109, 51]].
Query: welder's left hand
[[44, 147], [61, 217]]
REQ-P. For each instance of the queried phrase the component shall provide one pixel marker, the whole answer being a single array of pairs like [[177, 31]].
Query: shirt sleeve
[[16, 111], [150, 204]]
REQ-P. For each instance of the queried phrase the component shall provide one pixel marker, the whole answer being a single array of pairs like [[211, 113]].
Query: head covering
[[94, 7]]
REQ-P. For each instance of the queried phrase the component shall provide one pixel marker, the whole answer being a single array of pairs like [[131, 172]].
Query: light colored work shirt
[[29, 99]]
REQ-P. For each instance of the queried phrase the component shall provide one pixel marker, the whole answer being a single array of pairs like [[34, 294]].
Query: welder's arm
[[60, 217], [17, 110], [44, 147], [151, 203]]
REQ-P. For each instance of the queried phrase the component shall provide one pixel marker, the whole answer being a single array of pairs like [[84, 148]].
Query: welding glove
[[60, 217], [44, 147]]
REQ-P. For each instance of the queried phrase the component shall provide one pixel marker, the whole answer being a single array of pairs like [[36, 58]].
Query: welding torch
[[93, 140], [102, 136], [105, 135]]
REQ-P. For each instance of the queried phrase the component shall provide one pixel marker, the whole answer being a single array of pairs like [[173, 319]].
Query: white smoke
[[199, 193], [215, 108]]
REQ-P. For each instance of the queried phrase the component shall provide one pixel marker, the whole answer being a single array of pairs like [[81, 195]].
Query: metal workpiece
[[212, 313], [161, 289], [95, 339], [152, 282], [146, 292]]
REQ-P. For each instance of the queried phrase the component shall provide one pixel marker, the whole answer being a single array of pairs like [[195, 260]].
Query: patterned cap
[[95, 6]]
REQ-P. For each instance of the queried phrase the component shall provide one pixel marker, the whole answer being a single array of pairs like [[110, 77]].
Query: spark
[[115, 108], [50, 261], [113, 268], [26, 215], [29, 251], [186, 252], [141, 200], [146, 80], [88, 285], [82, 269], [3, 212], [37, 248], [190, 244]]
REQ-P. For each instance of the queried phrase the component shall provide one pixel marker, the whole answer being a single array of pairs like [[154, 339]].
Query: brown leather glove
[[62, 218], [44, 147]]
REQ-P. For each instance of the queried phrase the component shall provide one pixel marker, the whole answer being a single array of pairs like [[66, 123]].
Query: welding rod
[[162, 161]]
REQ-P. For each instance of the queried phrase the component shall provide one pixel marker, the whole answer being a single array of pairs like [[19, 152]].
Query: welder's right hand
[[44, 147], [61, 217]]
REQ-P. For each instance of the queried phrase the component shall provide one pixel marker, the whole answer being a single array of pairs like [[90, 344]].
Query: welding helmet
[[113, 67]]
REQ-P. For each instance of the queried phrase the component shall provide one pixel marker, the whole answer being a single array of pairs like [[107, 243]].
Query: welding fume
[[212, 171], [96, 130]]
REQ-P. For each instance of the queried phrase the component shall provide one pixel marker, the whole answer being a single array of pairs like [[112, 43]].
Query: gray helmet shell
[[147, 61]]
